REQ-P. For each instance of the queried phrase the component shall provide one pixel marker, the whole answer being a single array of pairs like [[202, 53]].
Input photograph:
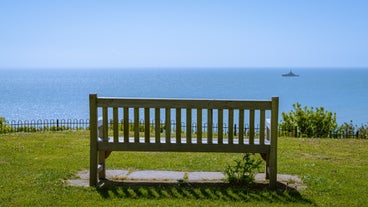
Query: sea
[[45, 94]]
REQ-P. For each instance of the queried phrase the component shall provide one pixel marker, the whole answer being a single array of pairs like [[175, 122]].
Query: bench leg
[[102, 162], [93, 169], [267, 170], [273, 172]]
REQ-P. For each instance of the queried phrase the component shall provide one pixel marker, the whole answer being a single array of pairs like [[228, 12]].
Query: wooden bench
[[190, 125]]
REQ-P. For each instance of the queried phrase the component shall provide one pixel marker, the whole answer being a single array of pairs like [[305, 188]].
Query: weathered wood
[[157, 125], [105, 124], [212, 142], [162, 147], [93, 160], [126, 124], [116, 124], [251, 126], [199, 125], [189, 125], [262, 127], [241, 126], [183, 103], [178, 125], [136, 125], [209, 125], [231, 125], [220, 126], [273, 149], [147, 128], [167, 124]]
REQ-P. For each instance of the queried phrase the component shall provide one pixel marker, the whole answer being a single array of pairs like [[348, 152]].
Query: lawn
[[34, 167]]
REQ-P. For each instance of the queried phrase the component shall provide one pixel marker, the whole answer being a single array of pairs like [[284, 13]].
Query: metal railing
[[83, 124], [43, 125]]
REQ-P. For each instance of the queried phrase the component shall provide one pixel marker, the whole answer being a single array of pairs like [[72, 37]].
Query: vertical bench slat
[[136, 125], [157, 125], [262, 127], [189, 126], [147, 128], [241, 126], [168, 125], [251, 126], [199, 126], [126, 124], [231, 126], [116, 124], [178, 125], [105, 123], [220, 126], [93, 162], [209, 126], [105, 138], [273, 147]]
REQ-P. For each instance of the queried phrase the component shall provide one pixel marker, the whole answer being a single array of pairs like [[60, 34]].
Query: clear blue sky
[[187, 33]]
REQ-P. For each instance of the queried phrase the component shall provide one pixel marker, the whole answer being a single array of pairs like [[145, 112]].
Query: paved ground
[[153, 176]]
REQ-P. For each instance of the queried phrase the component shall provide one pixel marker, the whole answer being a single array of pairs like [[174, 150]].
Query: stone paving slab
[[147, 175], [176, 176]]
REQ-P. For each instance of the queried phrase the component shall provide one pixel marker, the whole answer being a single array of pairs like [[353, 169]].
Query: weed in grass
[[243, 171]]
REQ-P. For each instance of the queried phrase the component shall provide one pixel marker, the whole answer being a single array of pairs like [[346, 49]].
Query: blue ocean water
[[63, 94]]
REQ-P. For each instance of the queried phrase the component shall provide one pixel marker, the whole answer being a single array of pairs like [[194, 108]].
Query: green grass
[[33, 167]]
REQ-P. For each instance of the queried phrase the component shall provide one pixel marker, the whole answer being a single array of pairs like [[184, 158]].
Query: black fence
[[44, 125], [83, 124]]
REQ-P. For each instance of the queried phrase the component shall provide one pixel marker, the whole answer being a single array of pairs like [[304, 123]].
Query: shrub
[[346, 130], [311, 122], [4, 126], [362, 132]]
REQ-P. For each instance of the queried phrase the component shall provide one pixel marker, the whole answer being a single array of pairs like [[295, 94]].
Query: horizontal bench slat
[[187, 103], [158, 147]]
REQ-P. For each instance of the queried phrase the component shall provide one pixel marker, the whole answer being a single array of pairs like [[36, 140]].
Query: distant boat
[[290, 74]]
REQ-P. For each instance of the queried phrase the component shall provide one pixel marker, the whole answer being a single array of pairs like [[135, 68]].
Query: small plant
[[244, 170]]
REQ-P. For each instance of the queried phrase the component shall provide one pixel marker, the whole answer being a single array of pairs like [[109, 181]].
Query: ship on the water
[[290, 74]]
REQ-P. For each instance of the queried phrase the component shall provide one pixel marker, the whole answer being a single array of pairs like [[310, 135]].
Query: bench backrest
[[199, 124], [209, 134]]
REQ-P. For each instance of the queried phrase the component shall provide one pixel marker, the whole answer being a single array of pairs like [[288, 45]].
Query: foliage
[[311, 122], [4, 126], [362, 132], [244, 170], [346, 130]]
